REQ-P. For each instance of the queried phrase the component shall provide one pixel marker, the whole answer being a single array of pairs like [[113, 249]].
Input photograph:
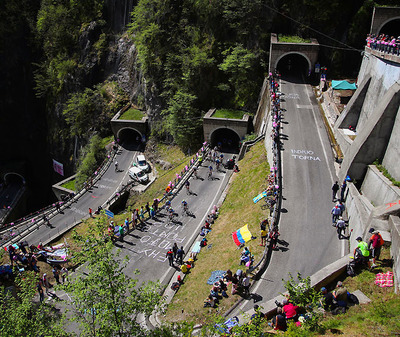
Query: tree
[[21, 316], [238, 65], [105, 301]]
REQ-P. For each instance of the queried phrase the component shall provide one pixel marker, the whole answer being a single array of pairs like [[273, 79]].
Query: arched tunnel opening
[[392, 28], [13, 179], [130, 138], [293, 66], [227, 139]]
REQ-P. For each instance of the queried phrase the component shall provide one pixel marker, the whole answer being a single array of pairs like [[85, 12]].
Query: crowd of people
[[384, 43]]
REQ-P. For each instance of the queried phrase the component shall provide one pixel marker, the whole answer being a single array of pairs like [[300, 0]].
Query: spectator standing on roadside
[[375, 244], [148, 209], [56, 274], [340, 226], [335, 214], [64, 274], [90, 213], [335, 188], [170, 256], [175, 250], [343, 190], [40, 290], [179, 255]]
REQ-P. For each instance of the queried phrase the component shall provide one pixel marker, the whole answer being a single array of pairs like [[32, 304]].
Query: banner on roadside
[[109, 213]]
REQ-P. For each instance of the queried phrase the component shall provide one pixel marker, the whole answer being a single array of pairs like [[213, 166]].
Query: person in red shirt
[[375, 244], [290, 310]]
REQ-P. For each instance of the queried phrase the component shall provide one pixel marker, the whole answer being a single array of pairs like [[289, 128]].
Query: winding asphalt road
[[308, 240], [102, 190]]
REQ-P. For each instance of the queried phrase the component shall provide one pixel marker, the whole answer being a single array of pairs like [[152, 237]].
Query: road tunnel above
[[226, 138], [294, 65]]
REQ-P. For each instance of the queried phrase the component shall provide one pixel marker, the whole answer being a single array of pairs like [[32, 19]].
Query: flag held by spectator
[[242, 235]]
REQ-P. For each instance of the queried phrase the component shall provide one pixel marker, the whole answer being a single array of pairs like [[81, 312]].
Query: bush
[[92, 155]]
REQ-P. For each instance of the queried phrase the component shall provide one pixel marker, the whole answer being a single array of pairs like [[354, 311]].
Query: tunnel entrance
[[293, 65], [13, 179], [130, 138], [391, 28], [226, 138]]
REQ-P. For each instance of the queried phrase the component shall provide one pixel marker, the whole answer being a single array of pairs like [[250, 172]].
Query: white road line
[[196, 232], [342, 250]]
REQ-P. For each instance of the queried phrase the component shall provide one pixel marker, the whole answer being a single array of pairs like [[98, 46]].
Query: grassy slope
[[237, 210]]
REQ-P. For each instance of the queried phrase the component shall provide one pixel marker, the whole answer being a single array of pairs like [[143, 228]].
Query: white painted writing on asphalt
[[292, 96], [304, 155]]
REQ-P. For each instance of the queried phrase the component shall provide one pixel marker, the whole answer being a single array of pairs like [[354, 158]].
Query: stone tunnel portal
[[293, 65], [391, 27], [227, 138], [12, 178], [130, 136]]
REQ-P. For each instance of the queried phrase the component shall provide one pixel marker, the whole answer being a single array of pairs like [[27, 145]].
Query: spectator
[[335, 188], [327, 299], [290, 310], [362, 246], [375, 244], [279, 321], [340, 295]]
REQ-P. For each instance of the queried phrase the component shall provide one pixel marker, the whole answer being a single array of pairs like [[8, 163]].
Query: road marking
[[110, 180], [79, 211], [195, 233], [302, 106], [104, 187], [292, 96]]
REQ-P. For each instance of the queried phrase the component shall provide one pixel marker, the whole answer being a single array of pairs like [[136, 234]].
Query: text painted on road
[[292, 96], [304, 155], [160, 239]]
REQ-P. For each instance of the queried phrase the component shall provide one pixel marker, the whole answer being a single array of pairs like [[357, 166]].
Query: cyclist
[[116, 166], [217, 163], [210, 172], [221, 158], [187, 185], [170, 214], [168, 205], [185, 206], [195, 172]]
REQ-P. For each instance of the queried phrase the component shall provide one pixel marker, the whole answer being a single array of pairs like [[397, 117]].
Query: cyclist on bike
[[210, 172], [185, 206], [195, 172], [168, 205], [217, 162], [187, 185]]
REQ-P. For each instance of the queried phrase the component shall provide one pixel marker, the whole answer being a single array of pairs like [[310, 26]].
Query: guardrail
[[277, 168], [17, 230]]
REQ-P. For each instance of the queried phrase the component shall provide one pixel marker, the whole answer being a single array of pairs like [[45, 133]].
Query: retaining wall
[[394, 226], [377, 188]]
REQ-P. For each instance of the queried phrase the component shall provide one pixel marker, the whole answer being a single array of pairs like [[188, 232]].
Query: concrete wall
[[359, 210], [263, 102], [392, 154], [117, 124], [280, 49], [377, 188], [211, 124], [394, 225], [383, 15]]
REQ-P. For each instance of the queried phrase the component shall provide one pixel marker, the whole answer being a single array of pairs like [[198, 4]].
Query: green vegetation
[[386, 173], [292, 39], [20, 316], [237, 210], [228, 113], [70, 184], [132, 114], [92, 155]]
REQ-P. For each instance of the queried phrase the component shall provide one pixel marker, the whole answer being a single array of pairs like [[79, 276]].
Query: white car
[[142, 163], [138, 175]]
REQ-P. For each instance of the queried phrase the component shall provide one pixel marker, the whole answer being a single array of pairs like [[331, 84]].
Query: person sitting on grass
[[209, 302], [279, 321]]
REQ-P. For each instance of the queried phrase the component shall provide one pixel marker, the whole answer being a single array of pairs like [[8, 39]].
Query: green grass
[[70, 184], [227, 113], [132, 114], [237, 210], [386, 173], [292, 39]]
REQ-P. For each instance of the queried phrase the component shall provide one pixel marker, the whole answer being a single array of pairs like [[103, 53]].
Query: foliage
[[92, 155], [184, 121], [228, 113], [22, 316], [301, 293], [106, 302], [70, 184], [132, 114], [292, 39]]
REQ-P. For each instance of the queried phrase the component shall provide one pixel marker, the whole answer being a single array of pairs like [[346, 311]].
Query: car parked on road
[[142, 163], [137, 174]]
